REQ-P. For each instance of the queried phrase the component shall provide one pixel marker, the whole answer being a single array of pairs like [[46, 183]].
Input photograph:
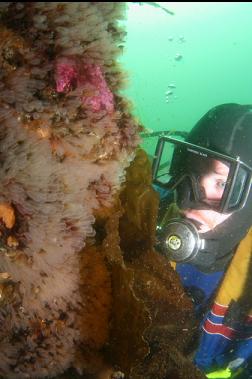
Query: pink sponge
[[71, 74], [66, 75]]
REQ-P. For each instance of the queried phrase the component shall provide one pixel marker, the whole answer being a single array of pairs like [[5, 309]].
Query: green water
[[205, 50]]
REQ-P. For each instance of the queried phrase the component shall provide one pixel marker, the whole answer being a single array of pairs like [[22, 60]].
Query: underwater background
[[181, 65]]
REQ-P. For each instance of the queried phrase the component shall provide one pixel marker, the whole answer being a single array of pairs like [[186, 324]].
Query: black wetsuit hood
[[226, 129]]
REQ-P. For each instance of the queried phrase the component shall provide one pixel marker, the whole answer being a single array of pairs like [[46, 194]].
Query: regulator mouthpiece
[[179, 240]]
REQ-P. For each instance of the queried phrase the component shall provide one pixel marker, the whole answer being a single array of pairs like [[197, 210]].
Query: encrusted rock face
[[81, 286], [66, 137]]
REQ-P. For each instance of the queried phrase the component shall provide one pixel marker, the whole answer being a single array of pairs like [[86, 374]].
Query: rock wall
[[81, 286]]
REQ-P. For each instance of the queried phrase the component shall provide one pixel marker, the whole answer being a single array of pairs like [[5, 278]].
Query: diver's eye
[[220, 184]]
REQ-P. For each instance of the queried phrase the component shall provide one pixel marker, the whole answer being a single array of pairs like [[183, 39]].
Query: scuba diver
[[205, 229]]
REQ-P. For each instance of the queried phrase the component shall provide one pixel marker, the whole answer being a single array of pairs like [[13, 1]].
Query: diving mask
[[179, 165]]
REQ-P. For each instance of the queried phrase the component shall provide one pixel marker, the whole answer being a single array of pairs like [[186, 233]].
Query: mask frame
[[236, 168]]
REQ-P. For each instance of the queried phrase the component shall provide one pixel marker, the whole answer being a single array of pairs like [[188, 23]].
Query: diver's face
[[214, 181], [213, 184]]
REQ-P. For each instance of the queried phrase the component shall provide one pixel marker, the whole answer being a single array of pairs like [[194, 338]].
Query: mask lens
[[213, 180], [237, 193], [164, 173]]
